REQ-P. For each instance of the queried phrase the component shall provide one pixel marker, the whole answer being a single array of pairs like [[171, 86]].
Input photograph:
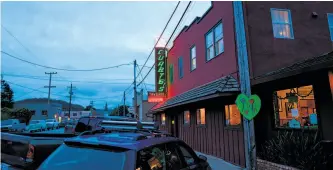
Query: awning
[[312, 64], [224, 86]]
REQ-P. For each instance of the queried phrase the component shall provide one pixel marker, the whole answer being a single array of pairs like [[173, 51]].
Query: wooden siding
[[214, 138]]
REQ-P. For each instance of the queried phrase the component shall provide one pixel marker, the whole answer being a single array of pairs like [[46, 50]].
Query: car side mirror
[[204, 158]]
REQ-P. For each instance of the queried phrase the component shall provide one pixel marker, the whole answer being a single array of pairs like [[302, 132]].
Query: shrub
[[299, 150]]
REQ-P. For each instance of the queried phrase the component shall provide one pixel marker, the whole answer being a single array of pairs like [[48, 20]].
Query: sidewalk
[[219, 164]]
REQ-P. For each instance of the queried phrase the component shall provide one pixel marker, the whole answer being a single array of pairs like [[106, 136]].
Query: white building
[[74, 114]]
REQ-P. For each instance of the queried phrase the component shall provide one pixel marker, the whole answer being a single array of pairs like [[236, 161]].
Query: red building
[[289, 47]]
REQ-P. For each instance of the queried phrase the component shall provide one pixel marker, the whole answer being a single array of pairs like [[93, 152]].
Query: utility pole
[[91, 107], [124, 109], [49, 86], [70, 99], [245, 84], [135, 93]]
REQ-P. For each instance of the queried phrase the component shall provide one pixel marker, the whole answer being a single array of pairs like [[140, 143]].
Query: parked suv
[[124, 151]]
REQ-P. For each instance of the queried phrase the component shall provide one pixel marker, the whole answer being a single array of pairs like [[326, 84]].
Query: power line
[[59, 94], [159, 38], [63, 69], [10, 33], [188, 5], [143, 81], [64, 80]]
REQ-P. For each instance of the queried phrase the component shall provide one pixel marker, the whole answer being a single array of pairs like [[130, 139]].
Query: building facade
[[203, 85], [289, 49], [75, 114], [42, 110], [143, 107]]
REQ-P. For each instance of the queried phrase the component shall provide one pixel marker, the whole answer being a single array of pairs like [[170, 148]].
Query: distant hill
[[65, 105]]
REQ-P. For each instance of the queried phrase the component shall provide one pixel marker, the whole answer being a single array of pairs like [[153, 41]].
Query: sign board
[[160, 70], [248, 106], [155, 97]]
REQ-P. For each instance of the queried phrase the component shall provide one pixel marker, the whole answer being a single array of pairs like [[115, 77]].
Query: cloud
[[83, 35]]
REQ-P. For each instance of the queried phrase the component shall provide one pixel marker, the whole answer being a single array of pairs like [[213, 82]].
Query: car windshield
[[34, 122], [6, 122], [50, 120], [83, 158]]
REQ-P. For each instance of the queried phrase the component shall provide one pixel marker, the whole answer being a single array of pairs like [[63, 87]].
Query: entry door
[[174, 125]]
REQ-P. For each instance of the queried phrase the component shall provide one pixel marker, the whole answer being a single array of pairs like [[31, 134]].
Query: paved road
[[60, 130]]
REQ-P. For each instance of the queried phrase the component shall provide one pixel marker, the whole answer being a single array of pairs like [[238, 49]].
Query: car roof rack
[[130, 125]]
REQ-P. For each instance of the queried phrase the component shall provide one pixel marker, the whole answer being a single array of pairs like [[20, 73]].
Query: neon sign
[[160, 69], [155, 97]]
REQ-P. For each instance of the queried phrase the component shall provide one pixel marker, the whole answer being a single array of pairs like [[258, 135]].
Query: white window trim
[[212, 30], [290, 24], [193, 58]]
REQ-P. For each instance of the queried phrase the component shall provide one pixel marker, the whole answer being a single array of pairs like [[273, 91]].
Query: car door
[[190, 158]]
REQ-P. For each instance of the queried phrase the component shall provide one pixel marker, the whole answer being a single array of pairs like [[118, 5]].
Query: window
[[152, 158], [189, 158], [171, 73], [44, 112], [163, 118], [214, 42], [282, 23], [201, 116], [232, 115], [295, 108], [330, 24], [33, 112], [180, 67], [186, 117], [193, 58]]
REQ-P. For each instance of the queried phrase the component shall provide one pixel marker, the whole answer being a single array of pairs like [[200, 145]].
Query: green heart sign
[[248, 106]]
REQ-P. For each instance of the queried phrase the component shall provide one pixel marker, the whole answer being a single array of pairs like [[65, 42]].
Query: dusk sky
[[84, 35]]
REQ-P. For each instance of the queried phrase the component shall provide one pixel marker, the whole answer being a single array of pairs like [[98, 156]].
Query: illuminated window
[[232, 115], [187, 117], [201, 116], [295, 108], [282, 24], [330, 24], [193, 58], [163, 118]]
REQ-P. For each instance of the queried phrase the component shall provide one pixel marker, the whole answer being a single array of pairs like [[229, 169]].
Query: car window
[[82, 125], [86, 158], [152, 158], [187, 154], [92, 123], [172, 157]]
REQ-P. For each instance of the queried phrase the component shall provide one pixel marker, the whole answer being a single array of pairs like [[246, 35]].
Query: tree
[[7, 95], [24, 115], [106, 107], [121, 111], [88, 108]]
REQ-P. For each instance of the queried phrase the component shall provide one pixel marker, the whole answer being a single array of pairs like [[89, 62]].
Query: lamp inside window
[[163, 118], [201, 116], [232, 115], [295, 108]]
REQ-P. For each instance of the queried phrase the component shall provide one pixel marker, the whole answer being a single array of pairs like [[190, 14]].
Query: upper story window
[[330, 24], [193, 58], [282, 23], [214, 42], [180, 67], [171, 73], [187, 117]]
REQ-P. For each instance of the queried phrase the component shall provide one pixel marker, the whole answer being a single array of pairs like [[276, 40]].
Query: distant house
[[143, 107], [74, 114], [41, 110]]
